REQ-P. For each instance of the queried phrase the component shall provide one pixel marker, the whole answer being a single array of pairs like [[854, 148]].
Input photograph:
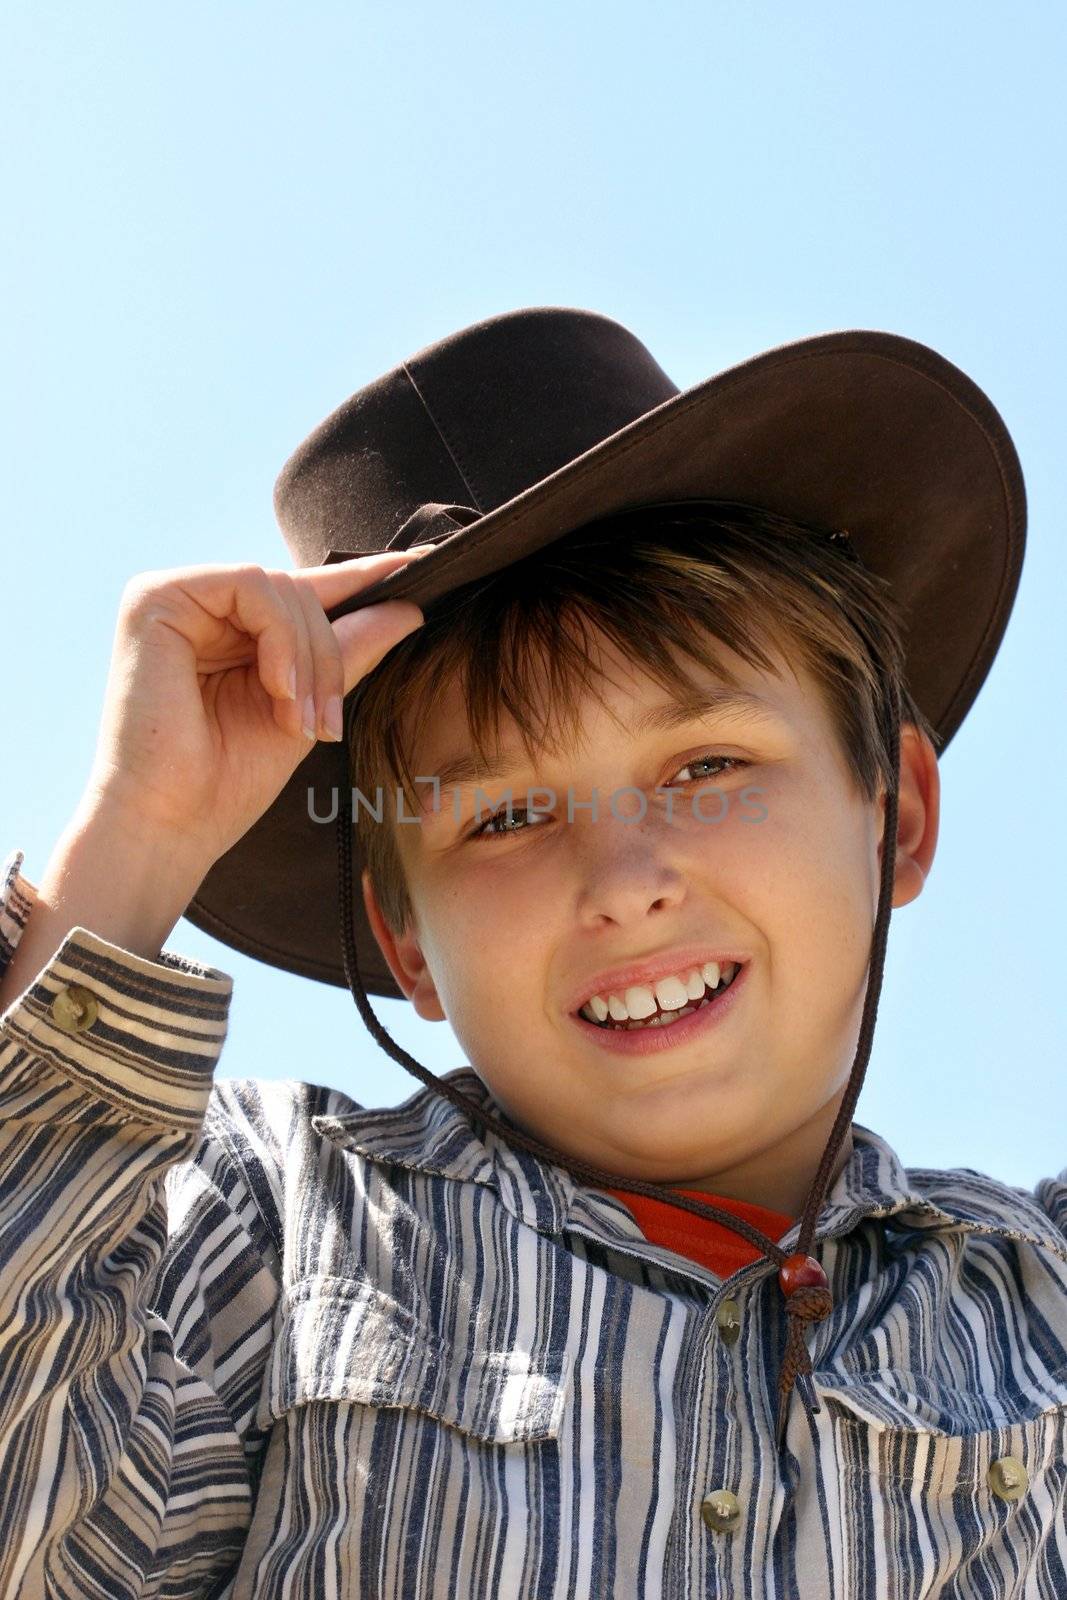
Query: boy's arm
[[126, 1462]]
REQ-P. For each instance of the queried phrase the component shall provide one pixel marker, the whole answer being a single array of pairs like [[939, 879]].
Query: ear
[[918, 812], [404, 958]]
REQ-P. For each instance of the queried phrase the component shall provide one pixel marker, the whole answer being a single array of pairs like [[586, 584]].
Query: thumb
[[365, 637]]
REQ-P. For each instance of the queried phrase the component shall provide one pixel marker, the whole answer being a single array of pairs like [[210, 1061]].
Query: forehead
[[624, 699]]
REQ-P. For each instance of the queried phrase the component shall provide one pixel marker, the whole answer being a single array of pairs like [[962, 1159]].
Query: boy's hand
[[199, 734]]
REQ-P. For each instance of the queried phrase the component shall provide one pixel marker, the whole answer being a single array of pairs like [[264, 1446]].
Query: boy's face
[[513, 930]]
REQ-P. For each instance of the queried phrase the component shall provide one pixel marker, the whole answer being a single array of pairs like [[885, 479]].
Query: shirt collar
[[428, 1134]]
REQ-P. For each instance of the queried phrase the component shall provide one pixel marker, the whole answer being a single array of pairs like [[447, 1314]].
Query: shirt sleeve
[[1051, 1196], [136, 1289]]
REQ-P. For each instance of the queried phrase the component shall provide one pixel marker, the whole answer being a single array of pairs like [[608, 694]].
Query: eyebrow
[[722, 702]]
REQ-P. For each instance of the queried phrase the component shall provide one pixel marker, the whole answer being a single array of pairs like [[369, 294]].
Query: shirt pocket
[[350, 1341], [943, 1492], [425, 1452]]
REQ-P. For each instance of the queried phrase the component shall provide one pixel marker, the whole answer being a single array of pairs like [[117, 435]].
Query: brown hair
[[654, 581]]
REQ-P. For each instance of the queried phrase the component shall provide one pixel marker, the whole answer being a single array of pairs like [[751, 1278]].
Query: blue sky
[[222, 220]]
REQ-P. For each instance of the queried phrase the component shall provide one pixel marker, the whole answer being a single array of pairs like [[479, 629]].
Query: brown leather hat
[[506, 435]]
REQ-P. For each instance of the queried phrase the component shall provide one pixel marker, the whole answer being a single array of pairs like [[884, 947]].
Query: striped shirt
[[257, 1340]]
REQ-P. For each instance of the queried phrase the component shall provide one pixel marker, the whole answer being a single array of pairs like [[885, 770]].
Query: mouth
[[667, 1030], [661, 1005]]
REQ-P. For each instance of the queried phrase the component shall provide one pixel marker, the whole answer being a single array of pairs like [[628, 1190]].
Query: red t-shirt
[[703, 1240]]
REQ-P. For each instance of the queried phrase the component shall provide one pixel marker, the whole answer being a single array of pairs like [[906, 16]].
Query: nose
[[624, 879]]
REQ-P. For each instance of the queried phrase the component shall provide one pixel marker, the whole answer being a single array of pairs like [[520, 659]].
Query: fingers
[[345, 651], [305, 664], [270, 615], [293, 714], [366, 636], [340, 579], [321, 706], [330, 658]]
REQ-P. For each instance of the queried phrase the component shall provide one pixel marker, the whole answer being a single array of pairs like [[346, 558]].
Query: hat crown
[[470, 421]]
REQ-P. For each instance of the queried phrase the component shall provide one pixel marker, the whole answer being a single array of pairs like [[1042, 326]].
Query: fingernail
[[331, 717], [309, 717]]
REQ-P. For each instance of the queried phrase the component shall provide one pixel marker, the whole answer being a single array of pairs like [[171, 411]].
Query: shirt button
[[1008, 1478], [721, 1511], [74, 1009], [728, 1321]]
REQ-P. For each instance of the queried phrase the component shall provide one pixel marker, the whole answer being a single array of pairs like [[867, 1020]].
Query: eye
[[711, 759], [487, 830], [498, 825]]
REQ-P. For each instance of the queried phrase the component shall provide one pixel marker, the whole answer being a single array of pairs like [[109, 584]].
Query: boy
[[262, 1341]]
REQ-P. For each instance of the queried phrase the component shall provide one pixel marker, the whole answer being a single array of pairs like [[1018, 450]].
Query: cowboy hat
[[503, 437]]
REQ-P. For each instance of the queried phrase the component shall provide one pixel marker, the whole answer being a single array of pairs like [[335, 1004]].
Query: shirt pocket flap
[[891, 1399], [349, 1341], [912, 1435]]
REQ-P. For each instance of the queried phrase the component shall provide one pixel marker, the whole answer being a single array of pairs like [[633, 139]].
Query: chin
[[675, 1136]]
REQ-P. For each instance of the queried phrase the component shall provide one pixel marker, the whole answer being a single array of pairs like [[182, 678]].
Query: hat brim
[[861, 430]]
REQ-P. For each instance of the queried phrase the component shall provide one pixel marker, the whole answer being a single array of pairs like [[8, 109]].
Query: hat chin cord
[[801, 1278]]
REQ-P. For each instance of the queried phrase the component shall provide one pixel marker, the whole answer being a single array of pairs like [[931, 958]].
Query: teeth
[[671, 994], [675, 1015], [660, 1021], [677, 994], [640, 1001]]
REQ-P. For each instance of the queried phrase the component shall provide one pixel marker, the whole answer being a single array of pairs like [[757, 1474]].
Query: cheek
[[509, 896], [833, 925], [801, 876], [486, 933]]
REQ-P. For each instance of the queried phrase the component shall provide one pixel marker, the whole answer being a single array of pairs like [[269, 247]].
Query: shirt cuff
[[142, 1035]]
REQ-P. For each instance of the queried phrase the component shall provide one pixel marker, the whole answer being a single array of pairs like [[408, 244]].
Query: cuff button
[[75, 1008]]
